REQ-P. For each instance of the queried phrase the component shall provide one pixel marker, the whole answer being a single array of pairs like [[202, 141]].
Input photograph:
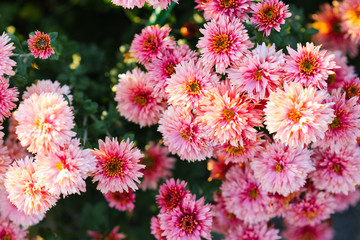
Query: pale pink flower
[[156, 231], [162, 3], [6, 63], [282, 169], [117, 166], [232, 9], [189, 84], [259, 72], [183, 135], [47, 86], [113, 235], [201, 4], [136, 100], [24, 190], [45, 122], [129, 3], [309, 66], [171, 194], [256, 231], [7, 98], [352, 88], [225, 41], [343, 202], [64, 171], [5, 161], [244, 198], [298, 115], [269, 14], [39, 45], [9, 230], [148, 45], [157, 165], [122, 201], [191, 220], [336, 171], [320, 231], [350, 20]]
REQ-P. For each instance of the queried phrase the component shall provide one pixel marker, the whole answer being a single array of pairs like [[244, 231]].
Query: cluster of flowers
[[140, 3], [283, 128]]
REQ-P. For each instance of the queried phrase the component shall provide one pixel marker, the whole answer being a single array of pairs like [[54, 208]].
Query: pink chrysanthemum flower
[[228, 116], [129, 3], [321, 231], [162, 3], [256, 231], [260, 71], [213, 9], [39, 45], [310, 209], [24, 190], [9, 211], [113, 235], [183, 135], [298, 115], [309, 66], [343, 202], [225, 41], [7, 98], [191, 82], [201, 4], [117, 166], [122, 201], [282, 169], [269, 14], [6, 63], [9, 230], [148, 45], [161, 69], [352, 88], [336, 171], [5, 161], [345, 128], [350, 19], [136, 99], [157, 165], [171, 194], [64, 171], [45, 122], [156, 231], [47, 86], [191, 220], [244, 198]]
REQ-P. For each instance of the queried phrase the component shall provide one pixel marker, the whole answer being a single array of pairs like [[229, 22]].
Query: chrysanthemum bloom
[[183, 135], [5, 161], [6, 63], [191, 82], [160, 69], [136, 99], [244, 198], [113, 235], [39, 45], [24, 190], [350, 19], [228, 116], [269, 14], [45, 122], [282, 169], [162, 3], [321, 231], [47, 86], [156, 231], [129, 3], [224, 42], [171, 194], [336, 171], [298, 115], [7, 98], [343, 202], [117, 166], [157, 165], [122, 201], [9, 230], [259, 72], [330, 33], [309, 66], [64, 171], [310, 209], [352, 88], [9, 211], [191, 220], [255, 231], [213, 9], [201, 4], [148, 45], [218, 167]]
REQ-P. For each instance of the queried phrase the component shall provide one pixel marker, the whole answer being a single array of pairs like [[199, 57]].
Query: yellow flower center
[[188, 223], [42, 43], [193, 86], [253, 193], [308, 65], [257, 74], [331, 78], [279, 167], [140, 100], [149, 43], [336, 123], [227, 3], [235, 151], [170, 68], [148, 161], [352, 91], [60, 166], [295, 115], [228, 114], [268, 14], [114, 167], [337, 168], [221, 43]]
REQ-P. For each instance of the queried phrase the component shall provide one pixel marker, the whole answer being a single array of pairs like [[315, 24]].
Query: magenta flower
[[9, 230], [171, 194], [156, 231], [7, 98], [213, 9], [255, 231], [122, 201], [320, 231], [129, 3], [39, 45]]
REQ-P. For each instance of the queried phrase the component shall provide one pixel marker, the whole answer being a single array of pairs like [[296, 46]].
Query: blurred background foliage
[[91, 50]]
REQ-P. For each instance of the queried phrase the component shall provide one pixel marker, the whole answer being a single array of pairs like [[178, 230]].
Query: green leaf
[[19, 80], [16, 42], [53, 36]]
